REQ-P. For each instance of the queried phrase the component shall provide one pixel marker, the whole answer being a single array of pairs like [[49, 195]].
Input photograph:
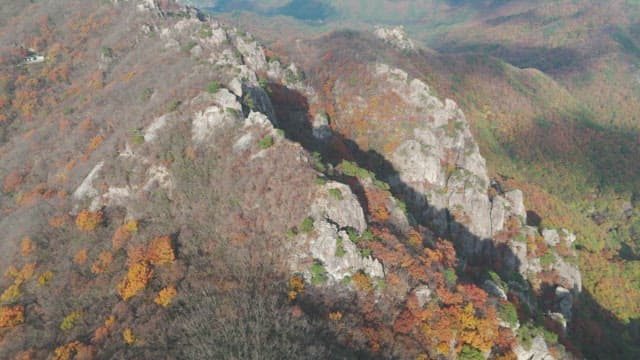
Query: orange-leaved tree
[[87, 220], [160, 251], [136, 280], [11, 316]]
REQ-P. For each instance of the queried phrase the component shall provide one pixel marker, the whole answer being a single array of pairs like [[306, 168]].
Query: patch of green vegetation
[[247, 99], [365, 252], [470, 353], [264, 84], [68, 111], [318, 273], [381, 185], [336, 194], [274, 58], [291, 233], [70, 320], [266, 142], [146, 94], [450, 277], [190, 45], [320, 180], [107, 52], [340, 251], [318, 164], [547, 259], [234, 112], [367, 235], [508, 314], [173, 105], [205, 32], [350, 168], [353, 235], [307, 225], [213, 87], [353, 80], [136, 137], [293, 77], [526, 334], [529, 331]]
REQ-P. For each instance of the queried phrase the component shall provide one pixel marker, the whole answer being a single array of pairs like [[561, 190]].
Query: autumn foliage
[[11, 316], [137, 278], [87, 220], [102, 263], [128, 337], [73, 350], [104, 330], [160, 251], [27, 246], [166, 296], [296, 287], [123, 234]]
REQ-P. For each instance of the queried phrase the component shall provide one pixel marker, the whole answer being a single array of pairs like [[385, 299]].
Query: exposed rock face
[[423, 293], [395, 36], [334, 210], [442, 165], [516, 200], [494, 289], [564, 299], [321, 129], [86, 189], [324, 246], [222, 114], [569, 274], [344, 211], [551, 237], [538, 350], [441, 171]]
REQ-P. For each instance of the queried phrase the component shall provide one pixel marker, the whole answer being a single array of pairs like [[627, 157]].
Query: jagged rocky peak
[[436, 168], [396, 36]]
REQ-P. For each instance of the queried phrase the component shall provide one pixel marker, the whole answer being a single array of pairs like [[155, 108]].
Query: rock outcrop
[[336, 210], [441, 173], [538, 350], [396, 36]]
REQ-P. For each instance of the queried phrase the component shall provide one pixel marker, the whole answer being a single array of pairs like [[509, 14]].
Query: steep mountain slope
[[168, 190]]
